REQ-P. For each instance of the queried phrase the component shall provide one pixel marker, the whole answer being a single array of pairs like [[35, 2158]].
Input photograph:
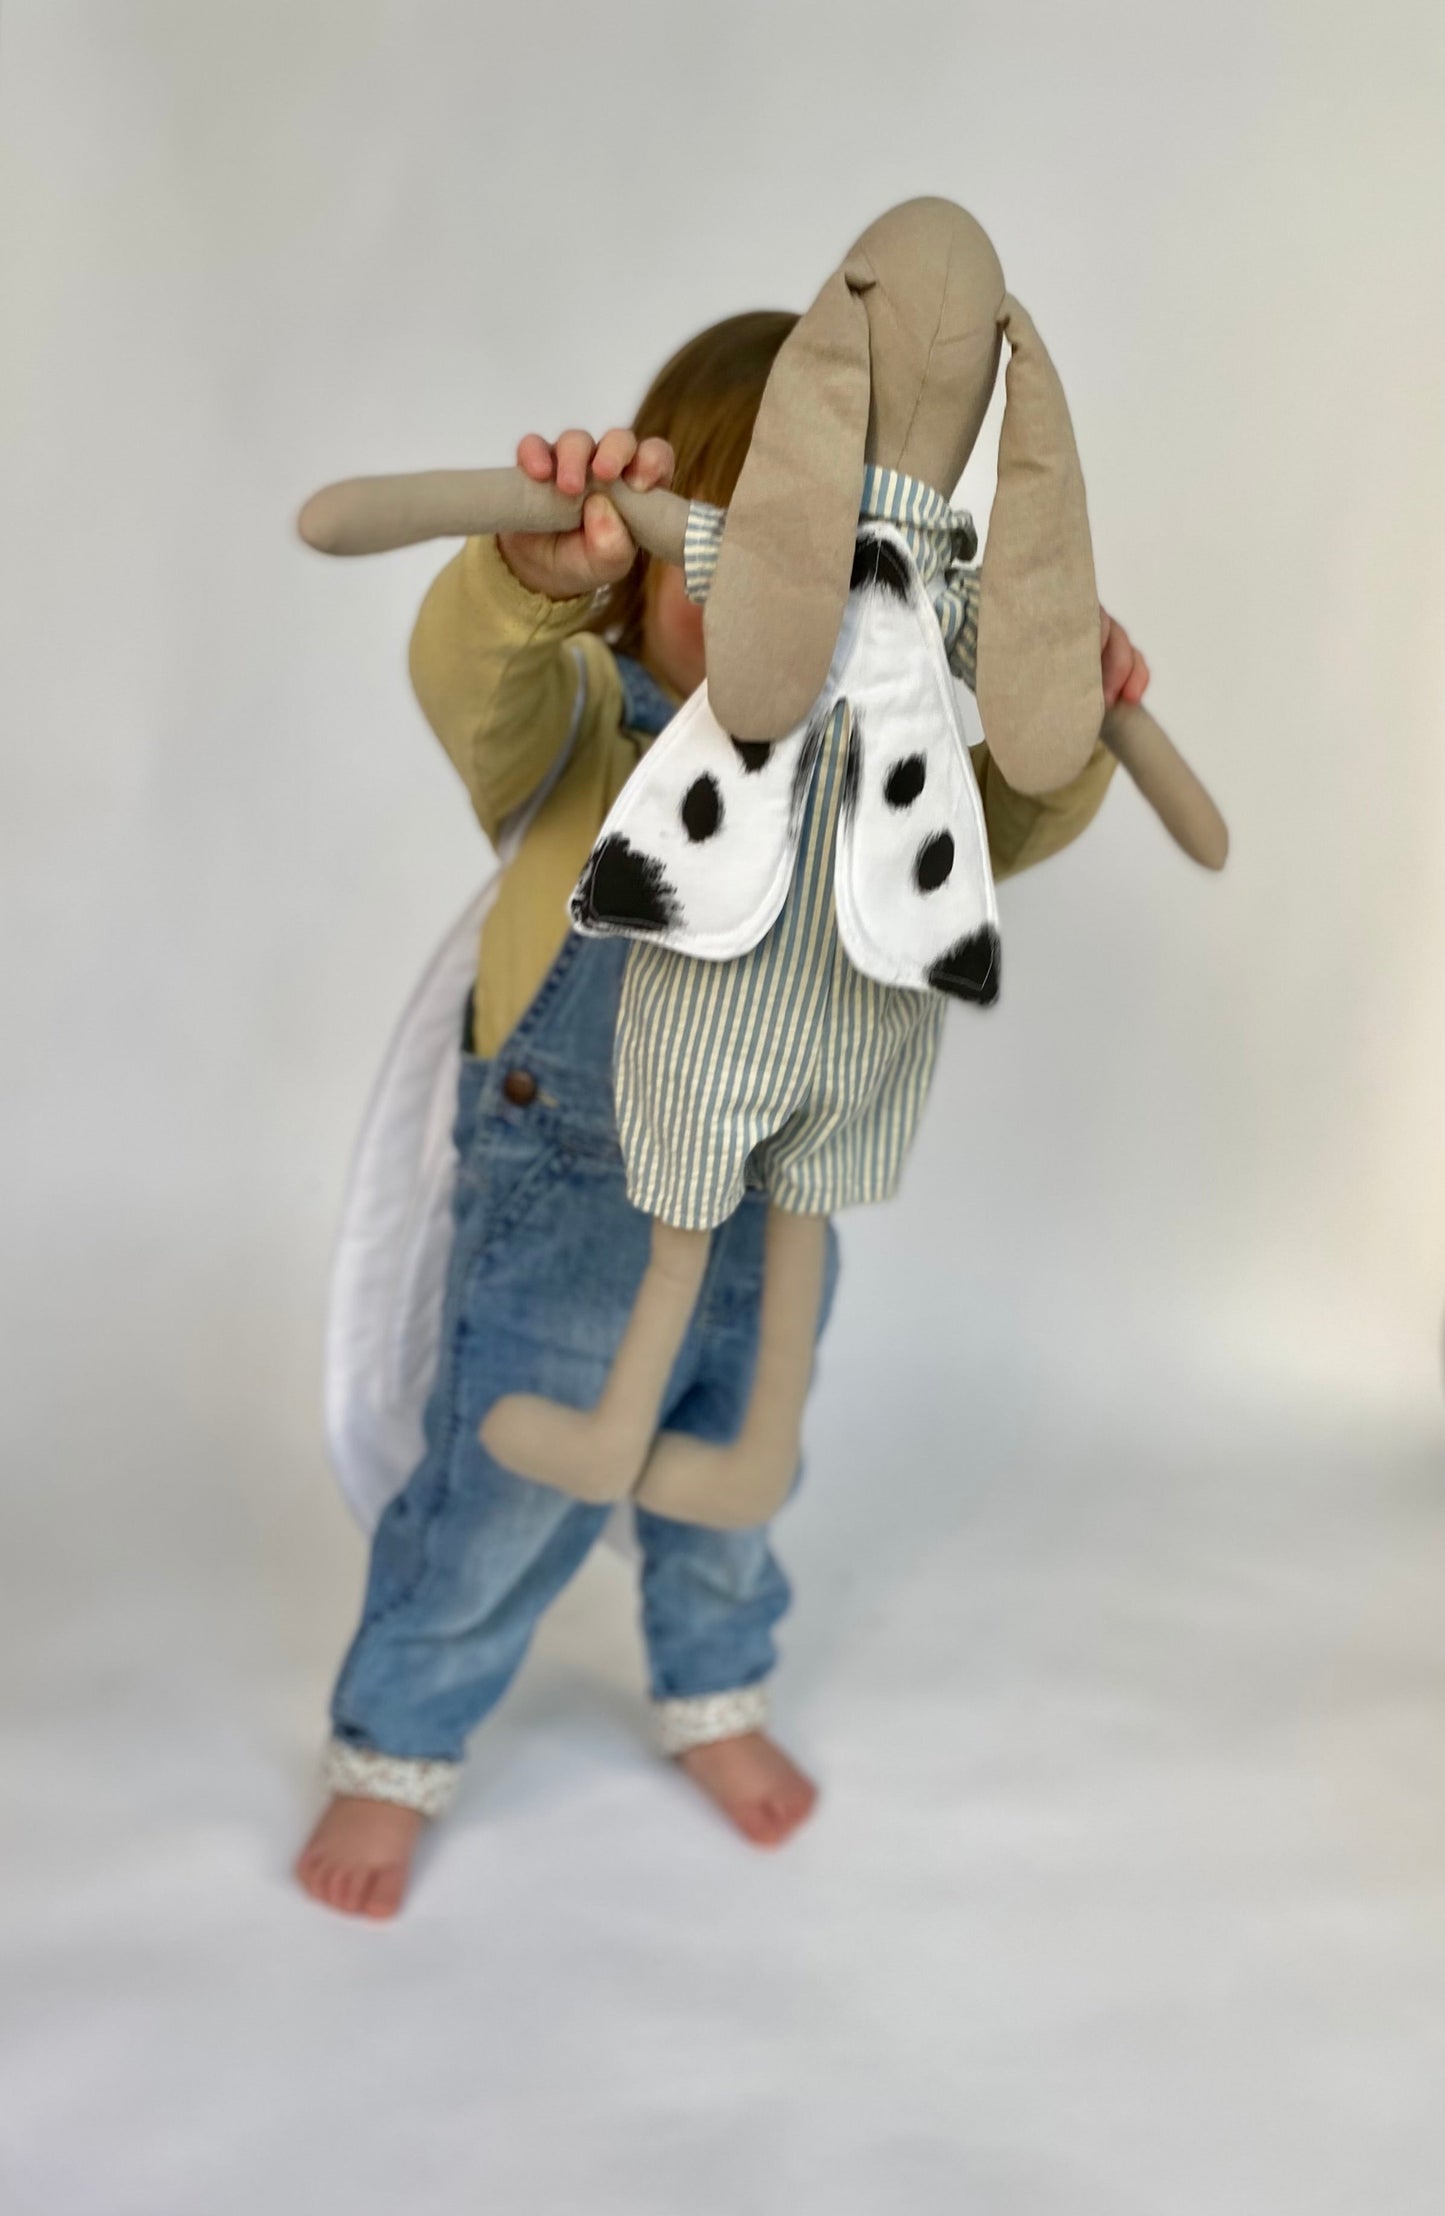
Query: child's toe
[[790, 1806], [800, 1800], [333, 1880], [317, 1873], [763, 1823], [383, 1896], [350, 1889]]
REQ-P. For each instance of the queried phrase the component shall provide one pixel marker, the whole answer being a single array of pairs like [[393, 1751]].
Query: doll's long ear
[[777, 596], [1040, 698]]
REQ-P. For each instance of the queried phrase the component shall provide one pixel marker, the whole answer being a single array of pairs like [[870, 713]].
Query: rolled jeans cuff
[[428, 1787], [699, 1719]]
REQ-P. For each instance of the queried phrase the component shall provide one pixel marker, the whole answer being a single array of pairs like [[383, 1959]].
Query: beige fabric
[[748, 1481], [933, 312], [603, 1453], [597, 1454], [1167, 783], [1038, 685], [371, 515], [915, 312], [776, 602]]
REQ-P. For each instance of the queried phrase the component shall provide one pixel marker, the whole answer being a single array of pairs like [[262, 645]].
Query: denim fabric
[[546, 1261], [645, 706]]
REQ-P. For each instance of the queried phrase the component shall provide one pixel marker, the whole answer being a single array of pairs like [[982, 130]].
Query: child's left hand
[[1123, 668]]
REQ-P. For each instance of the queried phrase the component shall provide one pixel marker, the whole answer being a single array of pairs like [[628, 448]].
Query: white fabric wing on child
[[388, 1277]]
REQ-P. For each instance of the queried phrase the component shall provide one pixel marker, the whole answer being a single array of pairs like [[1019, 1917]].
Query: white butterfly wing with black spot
[[914, 889], [698, 850]]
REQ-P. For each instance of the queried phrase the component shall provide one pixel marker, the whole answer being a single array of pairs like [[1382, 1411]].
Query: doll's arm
[[1025, 828], [490, 669], [370, 515]]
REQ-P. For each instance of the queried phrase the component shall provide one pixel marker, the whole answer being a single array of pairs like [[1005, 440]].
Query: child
[[534, 686]]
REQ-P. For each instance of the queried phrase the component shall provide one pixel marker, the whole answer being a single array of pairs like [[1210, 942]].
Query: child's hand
[[562, 564], [1122, 667]]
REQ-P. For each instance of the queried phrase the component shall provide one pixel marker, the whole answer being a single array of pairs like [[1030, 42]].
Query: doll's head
[[704, 401], [894, 364]]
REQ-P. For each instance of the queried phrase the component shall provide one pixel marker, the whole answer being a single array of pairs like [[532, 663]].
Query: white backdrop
[[1117, 1642]]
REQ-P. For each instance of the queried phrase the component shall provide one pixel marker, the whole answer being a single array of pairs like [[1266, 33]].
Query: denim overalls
[[546, 1260]]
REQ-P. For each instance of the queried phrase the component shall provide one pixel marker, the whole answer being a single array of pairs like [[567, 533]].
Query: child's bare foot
[[754, 1784], [359, 1856]]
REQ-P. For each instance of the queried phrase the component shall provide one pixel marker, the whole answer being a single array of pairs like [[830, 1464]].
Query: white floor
[[1124, 1894]]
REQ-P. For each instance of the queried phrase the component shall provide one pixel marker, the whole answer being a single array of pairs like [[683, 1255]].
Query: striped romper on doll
[[787, 1067]]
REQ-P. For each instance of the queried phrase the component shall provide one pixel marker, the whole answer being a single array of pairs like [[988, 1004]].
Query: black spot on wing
[[970, 968], [933, 863], [904, 781], [879, 562], [625, 890], [852, 764], [702, 808], [804, 767], [754, 754]]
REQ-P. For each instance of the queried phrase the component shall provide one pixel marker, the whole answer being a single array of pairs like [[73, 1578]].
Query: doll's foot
[[358, 1858], [762, 1793]]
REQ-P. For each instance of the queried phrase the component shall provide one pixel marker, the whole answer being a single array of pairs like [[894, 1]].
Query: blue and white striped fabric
[[785, 1067]]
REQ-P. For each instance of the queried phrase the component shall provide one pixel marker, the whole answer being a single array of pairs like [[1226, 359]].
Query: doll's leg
[[596, 1454], [743, 1483]]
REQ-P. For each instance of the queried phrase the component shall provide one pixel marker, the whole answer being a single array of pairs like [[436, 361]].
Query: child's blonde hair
[[704, 402]]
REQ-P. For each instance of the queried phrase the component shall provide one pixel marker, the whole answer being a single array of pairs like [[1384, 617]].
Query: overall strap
[[564, 1040]]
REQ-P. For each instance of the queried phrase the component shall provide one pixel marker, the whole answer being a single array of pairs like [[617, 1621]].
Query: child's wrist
[[518, 568], [511, 607], [519, 573]]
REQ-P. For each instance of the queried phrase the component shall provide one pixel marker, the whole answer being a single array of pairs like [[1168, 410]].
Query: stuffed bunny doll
[[801, 858]]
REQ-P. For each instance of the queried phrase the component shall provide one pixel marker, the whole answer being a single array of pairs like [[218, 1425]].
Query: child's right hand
[[563, 564]]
